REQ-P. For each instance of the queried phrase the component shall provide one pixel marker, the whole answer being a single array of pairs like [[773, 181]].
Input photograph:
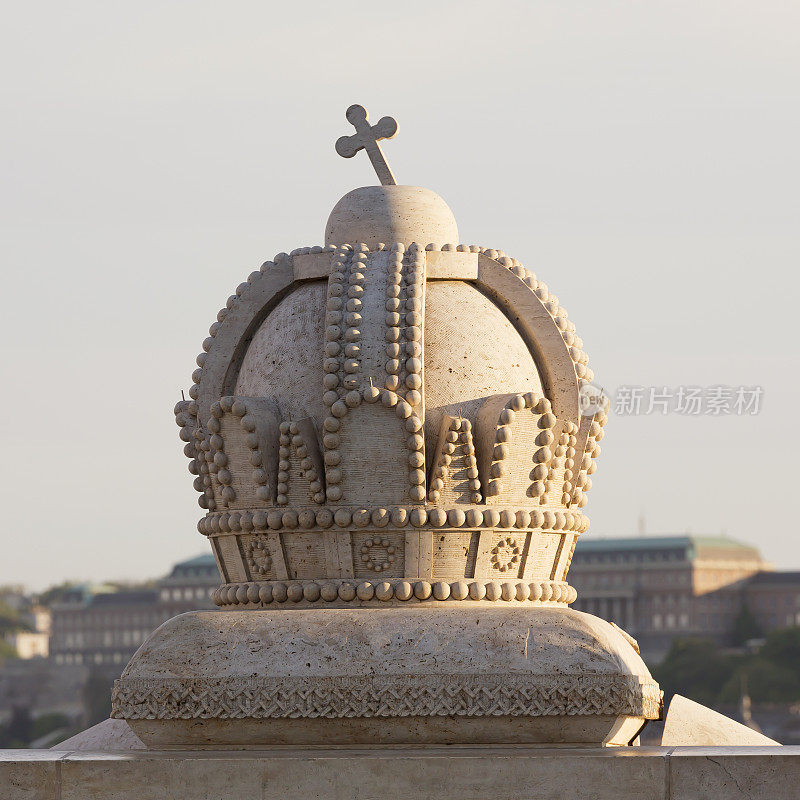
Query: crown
[[392, 422], [392, 417]]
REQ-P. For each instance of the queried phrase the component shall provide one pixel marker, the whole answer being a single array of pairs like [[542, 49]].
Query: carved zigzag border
[[386, 696]]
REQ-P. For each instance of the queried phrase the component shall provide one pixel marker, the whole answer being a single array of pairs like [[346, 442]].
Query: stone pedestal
[[461, 674]]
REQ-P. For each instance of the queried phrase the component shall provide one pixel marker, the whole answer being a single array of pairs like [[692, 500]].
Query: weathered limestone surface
[[436, 773], [723, 773], [375, 214], [689, 723], [112, 735], [387, 676]]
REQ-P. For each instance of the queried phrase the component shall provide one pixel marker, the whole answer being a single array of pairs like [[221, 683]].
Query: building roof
[[198, 569], [692, 544], [125, 597], [83, 592], [203, 560], [762, 578]]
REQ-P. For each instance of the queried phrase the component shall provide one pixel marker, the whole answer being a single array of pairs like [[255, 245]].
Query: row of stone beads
[[189, 427], [570, 432], [291, 440], [215, 454], [255, 456], [441, 466], [461, 248], [559, 454], [352, 332], [336, 367], [411, 367], [588, 461], [241, 290], [470, 462], [205, 479], [414, 280], [556, 311], [284, 464], [395, 311], [459, 435], [504, 436], [543, 454], [307, 464], [417, 517], [571, 554], [566, 327], [238, 407], [304, 251], [397, 352], [468, 248], [312, 591]]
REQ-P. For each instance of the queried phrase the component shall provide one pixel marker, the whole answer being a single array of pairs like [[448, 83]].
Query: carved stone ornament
[[392, 436]]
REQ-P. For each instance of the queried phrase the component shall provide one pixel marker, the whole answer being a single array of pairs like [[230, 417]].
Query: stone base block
[[387, 676]]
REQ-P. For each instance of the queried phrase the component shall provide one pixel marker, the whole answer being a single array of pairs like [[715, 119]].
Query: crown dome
[[375, 214]]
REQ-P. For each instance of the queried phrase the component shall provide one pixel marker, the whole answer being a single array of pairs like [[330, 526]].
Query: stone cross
[[366, 138]]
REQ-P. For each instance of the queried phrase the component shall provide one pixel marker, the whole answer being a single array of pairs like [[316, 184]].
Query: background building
[[35, 642], [773, 598], [657, 588], [104, 627]]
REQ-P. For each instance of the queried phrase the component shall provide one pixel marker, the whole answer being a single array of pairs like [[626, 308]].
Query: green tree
[[766, 682], [745, 627], [10, 621], [6, 651], [47, 723], [782, 647], [97, 697], [55, 594], [694, 668], [18, 732]]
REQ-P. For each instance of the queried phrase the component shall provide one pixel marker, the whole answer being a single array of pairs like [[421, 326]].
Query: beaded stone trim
[[262, 593], [467, 517], [513, 695]]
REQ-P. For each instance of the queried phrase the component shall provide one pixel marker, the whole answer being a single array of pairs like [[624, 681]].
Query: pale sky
[[640, 157]]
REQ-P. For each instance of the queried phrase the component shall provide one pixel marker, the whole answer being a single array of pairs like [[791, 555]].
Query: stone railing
[[440, 773]]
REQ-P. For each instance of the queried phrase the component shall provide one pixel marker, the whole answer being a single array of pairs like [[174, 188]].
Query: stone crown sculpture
[[391, 416], [394, 420]]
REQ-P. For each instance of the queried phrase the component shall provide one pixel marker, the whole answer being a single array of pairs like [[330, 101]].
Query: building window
[[657, 621]]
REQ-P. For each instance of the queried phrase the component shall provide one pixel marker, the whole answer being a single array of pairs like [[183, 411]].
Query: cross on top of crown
[[366, 138]]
